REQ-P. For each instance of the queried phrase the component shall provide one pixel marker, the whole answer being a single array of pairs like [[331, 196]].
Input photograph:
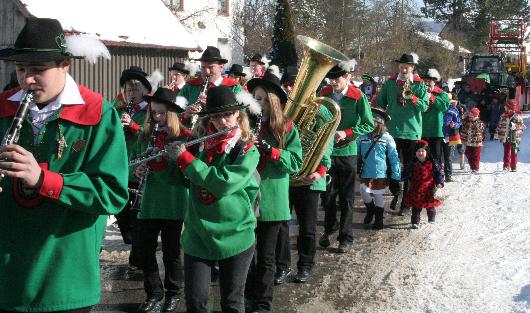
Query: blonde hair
[[201, 127], [172, 123], [379, 128], [277, 120]]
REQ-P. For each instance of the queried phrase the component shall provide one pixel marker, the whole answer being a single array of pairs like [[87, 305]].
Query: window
[[222, 7], [177, 4]]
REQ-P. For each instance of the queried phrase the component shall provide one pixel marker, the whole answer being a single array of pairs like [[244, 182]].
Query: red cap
[[512, 105], [475, 112]]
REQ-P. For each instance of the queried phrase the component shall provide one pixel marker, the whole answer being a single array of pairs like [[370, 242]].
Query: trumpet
[[155, 154], [198, 103], [13, 132]]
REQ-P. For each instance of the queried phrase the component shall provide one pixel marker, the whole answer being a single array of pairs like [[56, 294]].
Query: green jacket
[[220, 219], [433, 118], [406, 121], [194, 87], [275, 170], [356, 118], [50, 243], [166, 192], [136, 126]]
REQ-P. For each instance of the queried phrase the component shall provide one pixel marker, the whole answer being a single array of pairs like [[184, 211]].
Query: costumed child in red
[[424, 175], [472, 135], [509, 132]]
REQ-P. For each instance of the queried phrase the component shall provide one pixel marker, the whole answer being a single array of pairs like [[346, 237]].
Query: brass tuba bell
[[303, 106]]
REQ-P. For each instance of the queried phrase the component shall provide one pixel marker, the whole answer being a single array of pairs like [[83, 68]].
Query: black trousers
[[305, 203], [232, 277], [405, 149], [342, 184], [260, 278], [169, 230], [81, 310], [448, 163], [436, 146], [283, 248]]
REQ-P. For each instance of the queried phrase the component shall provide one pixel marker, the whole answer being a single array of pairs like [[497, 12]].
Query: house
[[136, 32], [213, 23]]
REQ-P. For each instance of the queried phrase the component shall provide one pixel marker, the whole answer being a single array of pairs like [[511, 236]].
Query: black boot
[[431, 215], [370, 211], [378, 224]]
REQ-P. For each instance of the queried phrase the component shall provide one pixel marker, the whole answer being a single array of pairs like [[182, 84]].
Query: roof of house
[[139, 23], [434, 37]]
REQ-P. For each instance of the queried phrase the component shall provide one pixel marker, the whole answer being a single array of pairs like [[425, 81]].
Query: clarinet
[[201, 95], [13, 133], [139, 193]]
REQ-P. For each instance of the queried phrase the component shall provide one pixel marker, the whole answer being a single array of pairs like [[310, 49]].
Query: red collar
[[415, 78], [352, 92], [82, 114], [437, 90], [225, 82]]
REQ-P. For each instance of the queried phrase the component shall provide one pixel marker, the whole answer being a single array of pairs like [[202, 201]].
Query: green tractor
[[492, 70]]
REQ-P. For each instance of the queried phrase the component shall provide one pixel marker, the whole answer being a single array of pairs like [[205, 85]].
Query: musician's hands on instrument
[[20, 163], [340, 135], [139, 171], [308, 180], [191, 110], [175, 149], [264, 146], [125, 120]]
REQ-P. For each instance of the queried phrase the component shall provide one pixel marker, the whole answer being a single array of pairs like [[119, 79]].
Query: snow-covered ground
[[475, 258]]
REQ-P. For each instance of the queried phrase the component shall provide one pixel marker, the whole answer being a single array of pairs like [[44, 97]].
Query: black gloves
[[394, 187], [264, 146]]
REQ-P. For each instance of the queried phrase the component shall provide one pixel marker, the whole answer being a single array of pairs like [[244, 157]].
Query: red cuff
[[414, 100], [52, 185], [158, 166], [182, 118], [349, 133], [184, 160], [275, 154], [134, 127], [322, 170]]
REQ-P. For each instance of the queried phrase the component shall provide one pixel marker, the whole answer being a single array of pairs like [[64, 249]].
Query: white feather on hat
[[182, 102], [265, 60], [86, 46], [432, 72], [348, 66], [415, 58], [155, 78], [274, 69], [192, 67], [247, 99], [247, 71]]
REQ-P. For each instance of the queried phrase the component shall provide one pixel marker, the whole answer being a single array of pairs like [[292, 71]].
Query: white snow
[[432, 36], [131, 21]]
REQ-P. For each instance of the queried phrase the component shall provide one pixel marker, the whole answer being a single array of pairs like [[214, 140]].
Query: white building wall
[[212, 29]]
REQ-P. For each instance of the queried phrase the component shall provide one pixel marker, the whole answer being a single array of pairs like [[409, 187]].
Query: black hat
[[407, 59], [220, 99], [212, 54], [256, 57], [237, 69], [135, 72], [335, 72], [377, 112], [271, 82], [289, 75], [181, 67], [41, 40], [167, 97], [367, 77]]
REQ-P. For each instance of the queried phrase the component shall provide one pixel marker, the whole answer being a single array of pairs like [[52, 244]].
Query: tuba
[[303, 106]]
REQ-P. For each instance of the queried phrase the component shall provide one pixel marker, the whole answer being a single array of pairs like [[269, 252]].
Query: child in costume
[[509, 132]]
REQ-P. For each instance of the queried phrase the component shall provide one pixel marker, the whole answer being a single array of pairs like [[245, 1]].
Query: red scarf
[[217, 145]]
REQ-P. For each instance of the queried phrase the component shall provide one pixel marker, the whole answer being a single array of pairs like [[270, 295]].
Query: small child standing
[[378, 166], [509, 132], [424, 175], [472, 135]]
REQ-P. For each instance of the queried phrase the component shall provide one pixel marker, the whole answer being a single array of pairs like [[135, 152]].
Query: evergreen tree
[[283, 52]]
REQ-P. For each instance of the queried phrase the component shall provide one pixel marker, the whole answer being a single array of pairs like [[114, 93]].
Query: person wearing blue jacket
[[378, 167], [451, 126]]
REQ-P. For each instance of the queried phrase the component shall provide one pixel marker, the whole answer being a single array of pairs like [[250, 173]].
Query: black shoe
[[171, 303], [151, 304], [344, 247], [302, 276], [281, 276], [379, 214], [448, 179], [324, 241]]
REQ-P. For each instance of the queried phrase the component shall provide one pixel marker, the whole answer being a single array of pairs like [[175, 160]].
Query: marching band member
[[65, 174], [433, 118], [258, 65], [220, 219], [165, 196], [356, 120], [404, 99], [179, 73], [132, 110], [236, 73], [281, 156], [212, 65]]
